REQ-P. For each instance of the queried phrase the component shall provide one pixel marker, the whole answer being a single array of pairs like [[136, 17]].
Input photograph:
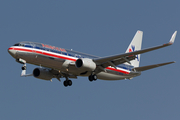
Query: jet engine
[[42, 73], [85, 64]]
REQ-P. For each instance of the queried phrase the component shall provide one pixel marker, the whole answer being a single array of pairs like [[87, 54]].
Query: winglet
[[173, 38]]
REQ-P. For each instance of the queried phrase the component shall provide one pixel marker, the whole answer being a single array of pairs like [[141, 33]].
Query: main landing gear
[[92, 78], [67, 83]]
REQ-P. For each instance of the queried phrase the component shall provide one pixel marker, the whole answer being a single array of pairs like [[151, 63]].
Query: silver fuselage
[[61, 59]]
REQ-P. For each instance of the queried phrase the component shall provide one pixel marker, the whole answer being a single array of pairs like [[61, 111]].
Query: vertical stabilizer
[[135, 45]]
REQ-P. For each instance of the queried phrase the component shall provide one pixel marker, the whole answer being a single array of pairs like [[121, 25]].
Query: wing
[[114, 60]]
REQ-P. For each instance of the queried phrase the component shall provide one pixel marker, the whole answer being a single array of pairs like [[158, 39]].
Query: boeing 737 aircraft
[[56, 62]]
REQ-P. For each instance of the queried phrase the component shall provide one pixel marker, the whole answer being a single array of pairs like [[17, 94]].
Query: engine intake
[[42, 73], [85, 64]]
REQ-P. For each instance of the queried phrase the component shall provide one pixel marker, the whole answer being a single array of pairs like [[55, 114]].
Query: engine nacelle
[[85, 64], [42, 73]]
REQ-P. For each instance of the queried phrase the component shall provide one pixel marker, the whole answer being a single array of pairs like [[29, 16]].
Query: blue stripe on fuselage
[[70, 53]]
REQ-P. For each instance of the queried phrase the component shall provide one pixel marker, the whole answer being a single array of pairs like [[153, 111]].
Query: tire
[[69, 82], [94, 77], [90, 78], [23, 68], [65, 83]]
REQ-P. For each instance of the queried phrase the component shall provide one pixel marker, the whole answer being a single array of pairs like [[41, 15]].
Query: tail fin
[[135, 45]]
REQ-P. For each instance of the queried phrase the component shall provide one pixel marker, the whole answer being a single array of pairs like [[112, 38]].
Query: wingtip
[[173, 38]]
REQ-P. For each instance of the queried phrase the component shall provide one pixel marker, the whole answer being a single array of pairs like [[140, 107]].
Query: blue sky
[[98, 27]]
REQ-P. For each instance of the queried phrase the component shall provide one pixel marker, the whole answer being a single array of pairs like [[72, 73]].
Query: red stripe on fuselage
[[11, 49], [22, 49], [44, 53], [61, 57], [117, 70], [57, 56]]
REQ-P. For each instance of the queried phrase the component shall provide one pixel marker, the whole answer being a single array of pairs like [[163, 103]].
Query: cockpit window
[[17, 44], [21, 44]]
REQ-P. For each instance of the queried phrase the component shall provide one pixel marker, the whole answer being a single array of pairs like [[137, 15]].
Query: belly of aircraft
[[110, 76], [56, 63]]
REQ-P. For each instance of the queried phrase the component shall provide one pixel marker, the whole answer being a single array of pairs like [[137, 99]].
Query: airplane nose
[[12, 52]]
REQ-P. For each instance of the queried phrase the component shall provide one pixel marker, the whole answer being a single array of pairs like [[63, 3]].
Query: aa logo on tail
[[132, 49]]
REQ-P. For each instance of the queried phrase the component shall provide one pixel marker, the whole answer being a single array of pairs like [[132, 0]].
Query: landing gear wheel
[[67, 83], [92, 77], [23, 68]]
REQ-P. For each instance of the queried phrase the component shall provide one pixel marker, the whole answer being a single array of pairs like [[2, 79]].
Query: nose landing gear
[[24, 67], [23, 73]]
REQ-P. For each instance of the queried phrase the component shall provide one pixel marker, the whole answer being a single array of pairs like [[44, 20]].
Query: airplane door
[[33, 55]]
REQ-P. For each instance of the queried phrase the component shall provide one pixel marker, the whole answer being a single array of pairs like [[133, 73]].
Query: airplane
[[56, 62]]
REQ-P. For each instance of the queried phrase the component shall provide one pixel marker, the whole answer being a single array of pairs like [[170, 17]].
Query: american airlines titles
[[54, 48]]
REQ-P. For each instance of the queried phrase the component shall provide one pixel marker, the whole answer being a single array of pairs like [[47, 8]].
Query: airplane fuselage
[[63, 60]]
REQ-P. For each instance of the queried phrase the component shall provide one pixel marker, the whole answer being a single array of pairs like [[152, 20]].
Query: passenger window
[[64, 53], [76, 55], [37, 48], [28, 46]]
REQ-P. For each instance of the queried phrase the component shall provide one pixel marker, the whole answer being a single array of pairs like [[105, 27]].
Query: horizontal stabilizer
[[151, 66]]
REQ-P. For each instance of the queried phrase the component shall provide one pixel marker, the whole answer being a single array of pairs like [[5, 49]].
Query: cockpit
[[23, 44], [18, 44]]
